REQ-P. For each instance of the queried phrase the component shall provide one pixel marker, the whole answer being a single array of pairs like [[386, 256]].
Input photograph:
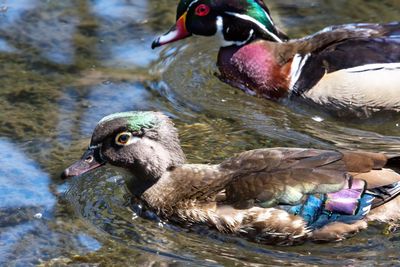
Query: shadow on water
[[66, 64]]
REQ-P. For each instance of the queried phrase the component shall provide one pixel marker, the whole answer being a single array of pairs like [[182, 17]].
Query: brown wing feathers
[[284, 175], [280, 176]]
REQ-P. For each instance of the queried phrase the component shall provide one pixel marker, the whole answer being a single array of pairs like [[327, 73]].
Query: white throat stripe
[[220, 31], [259, 24]]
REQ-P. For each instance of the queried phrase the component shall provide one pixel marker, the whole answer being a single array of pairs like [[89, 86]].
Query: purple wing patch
[[346, 201]]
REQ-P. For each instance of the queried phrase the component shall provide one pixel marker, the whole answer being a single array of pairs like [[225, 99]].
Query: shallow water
[[65, 64]]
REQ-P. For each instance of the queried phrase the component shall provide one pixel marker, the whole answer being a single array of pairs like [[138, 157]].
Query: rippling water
[[65, 64]]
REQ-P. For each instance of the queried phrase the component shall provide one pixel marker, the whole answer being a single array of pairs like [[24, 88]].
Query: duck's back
[[360, 68]]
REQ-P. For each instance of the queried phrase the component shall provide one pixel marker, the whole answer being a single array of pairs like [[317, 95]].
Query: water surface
[[66, 64]]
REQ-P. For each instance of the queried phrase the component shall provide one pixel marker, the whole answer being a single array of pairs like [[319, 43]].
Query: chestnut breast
[[255, 68]]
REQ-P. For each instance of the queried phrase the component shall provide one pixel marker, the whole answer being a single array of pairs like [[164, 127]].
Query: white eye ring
[[126, 138], [123, 138]]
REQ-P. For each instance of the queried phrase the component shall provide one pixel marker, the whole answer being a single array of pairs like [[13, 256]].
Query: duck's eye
[[202, 10], [123, 138]]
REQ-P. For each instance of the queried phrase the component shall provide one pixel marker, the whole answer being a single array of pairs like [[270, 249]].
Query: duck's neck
[[255, 68], [150, 168], [138, 185]]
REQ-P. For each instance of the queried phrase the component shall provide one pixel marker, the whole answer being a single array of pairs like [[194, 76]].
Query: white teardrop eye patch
[[126, 138]]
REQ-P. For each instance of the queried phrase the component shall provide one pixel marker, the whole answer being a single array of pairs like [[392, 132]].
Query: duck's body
[[255, 194], [279, 195], [344, 66]]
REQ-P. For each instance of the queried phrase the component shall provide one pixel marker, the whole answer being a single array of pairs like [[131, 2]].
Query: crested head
[[237, 21], [143, 142], [133, 121]]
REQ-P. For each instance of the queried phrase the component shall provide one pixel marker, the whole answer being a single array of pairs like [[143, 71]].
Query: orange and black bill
[[177, 32]]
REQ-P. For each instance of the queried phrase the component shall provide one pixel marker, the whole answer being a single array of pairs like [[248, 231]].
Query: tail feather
[[384, 194]]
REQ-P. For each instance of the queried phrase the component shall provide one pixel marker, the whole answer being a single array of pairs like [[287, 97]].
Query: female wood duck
[[274, 195], [354, 65]]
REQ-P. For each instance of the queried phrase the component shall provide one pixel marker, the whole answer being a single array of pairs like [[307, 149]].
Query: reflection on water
[[12, 11], [5, 47], [23, 183], [124, 33], [89, 242], [109, 98], [132, 10], [133, 53], [24, 198], [66, 64], [56, 42]]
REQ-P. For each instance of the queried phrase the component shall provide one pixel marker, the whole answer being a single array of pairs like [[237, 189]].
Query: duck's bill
[[90, 160], [177, 32]]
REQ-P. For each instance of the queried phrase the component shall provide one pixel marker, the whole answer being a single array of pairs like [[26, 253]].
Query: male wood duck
[[342, 66], [273, 195]]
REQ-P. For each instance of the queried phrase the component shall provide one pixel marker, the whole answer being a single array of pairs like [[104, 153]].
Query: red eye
[[202, 10]]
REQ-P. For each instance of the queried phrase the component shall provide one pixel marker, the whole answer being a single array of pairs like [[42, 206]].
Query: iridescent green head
[[143, 142], [237, 21]]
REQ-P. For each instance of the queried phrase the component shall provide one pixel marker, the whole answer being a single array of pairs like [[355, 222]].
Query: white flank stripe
[[377, 66], [260, 25], [297, 66]]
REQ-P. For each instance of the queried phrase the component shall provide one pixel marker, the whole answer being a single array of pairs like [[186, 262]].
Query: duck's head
[[236, 21], [145, 143]]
